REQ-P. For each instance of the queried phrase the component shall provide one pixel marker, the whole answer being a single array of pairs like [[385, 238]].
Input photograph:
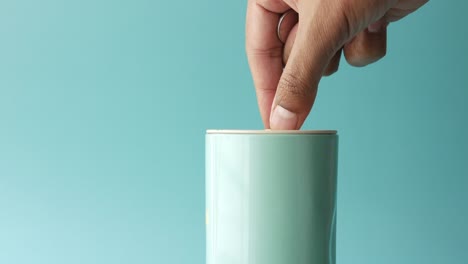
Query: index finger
[[264, 53]]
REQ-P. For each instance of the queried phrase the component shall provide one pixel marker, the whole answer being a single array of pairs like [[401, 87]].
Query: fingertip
[[366, 47], [265, 101], [283, 119]]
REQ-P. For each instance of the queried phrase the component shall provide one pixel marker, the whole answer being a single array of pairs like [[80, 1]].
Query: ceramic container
[[271, 197]]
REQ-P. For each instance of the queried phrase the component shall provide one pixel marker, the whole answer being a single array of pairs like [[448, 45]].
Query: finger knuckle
[[275, 52], [262, 3], [347, 17], [294, 88], [272, 5]]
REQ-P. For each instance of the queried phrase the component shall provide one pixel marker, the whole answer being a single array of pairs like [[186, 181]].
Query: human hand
[[311, 48]]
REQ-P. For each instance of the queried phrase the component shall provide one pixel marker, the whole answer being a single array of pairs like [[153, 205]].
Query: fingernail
[[283, 119]]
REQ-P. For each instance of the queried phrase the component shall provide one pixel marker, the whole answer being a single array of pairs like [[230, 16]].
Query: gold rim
[[269, 131]]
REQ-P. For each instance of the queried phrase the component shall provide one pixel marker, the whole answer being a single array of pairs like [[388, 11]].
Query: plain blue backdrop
[[104, 105]]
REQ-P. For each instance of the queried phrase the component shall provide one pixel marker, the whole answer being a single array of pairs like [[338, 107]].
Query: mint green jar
[[271, 197]]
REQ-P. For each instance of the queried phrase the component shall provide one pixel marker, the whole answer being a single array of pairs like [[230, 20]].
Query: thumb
[[320, 35], [324, 27]]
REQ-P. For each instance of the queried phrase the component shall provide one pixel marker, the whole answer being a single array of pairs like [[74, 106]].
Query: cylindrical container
[[271, 197]]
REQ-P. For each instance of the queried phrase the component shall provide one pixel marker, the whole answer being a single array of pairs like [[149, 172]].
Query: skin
[[287, 72]]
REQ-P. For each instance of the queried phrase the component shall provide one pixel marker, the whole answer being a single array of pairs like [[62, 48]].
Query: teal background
[[104, 104]]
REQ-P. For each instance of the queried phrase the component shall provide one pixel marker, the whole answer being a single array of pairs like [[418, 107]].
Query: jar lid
[[269, 131]]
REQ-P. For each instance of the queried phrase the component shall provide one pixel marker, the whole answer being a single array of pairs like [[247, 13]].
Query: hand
[[312, 48]]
